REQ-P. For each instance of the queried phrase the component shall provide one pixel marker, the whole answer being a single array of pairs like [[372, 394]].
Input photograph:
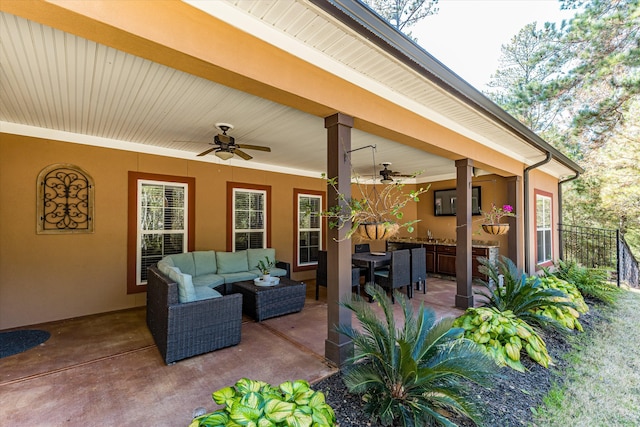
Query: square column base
[[338, 353], [463, 301]]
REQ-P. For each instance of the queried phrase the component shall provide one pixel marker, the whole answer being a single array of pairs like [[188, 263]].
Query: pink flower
[[495, 214]]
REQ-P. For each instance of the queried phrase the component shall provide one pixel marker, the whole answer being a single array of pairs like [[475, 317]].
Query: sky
[[466, 35]]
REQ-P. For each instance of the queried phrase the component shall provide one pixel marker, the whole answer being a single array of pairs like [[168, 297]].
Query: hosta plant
[[409, 372], [567, 316], [503, 336], [573, 294], [258, 404], [509, 289]]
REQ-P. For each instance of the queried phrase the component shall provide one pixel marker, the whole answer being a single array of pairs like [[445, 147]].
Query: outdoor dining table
[[371, 260]]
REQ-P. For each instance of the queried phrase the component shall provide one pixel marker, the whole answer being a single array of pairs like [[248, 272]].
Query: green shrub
[[591, 282], [503, 336], [509, 289], [258, 404], [407, 374]]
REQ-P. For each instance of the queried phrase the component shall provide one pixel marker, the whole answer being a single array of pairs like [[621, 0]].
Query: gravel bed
[[510, 401]]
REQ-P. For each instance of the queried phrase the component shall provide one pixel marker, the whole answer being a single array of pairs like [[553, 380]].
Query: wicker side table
[[264, 302]]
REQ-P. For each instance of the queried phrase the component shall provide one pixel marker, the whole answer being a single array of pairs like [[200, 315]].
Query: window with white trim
[[543, 229], [249, 219], [309, 237], [162, 223]]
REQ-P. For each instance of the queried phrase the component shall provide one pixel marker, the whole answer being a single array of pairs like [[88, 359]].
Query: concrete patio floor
[[105, 370]]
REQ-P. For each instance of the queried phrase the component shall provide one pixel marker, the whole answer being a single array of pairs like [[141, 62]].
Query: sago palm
[[407, 374], [509, 289]]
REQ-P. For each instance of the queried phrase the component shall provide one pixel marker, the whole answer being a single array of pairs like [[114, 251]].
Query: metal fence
[[628, 270], [599, 248]]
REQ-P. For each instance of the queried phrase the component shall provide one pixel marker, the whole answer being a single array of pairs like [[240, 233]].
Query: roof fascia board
[[370, 25]]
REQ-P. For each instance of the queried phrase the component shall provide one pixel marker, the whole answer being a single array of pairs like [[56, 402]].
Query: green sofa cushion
[[205, 292], [186, 290], [256, 255], [239, 277], [210, 280], [205, 262], [184, 262], [232, 262]]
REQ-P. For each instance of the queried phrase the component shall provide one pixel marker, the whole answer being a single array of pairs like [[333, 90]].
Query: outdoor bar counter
[[441, 254]]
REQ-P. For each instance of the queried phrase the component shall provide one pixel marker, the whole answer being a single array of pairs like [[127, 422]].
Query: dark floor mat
[[14, 342]]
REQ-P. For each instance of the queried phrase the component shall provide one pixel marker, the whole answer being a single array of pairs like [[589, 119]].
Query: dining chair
[[419, 268], [398, 274], [321, 274], [362, 248]]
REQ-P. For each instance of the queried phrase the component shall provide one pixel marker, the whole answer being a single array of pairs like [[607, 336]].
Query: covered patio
[[105, 369]]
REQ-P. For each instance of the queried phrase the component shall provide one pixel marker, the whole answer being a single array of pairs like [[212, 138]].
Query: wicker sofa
[[182, 330], [214, 268]]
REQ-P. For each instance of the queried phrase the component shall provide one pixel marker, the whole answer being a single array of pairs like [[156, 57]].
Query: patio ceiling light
[[224, 155]]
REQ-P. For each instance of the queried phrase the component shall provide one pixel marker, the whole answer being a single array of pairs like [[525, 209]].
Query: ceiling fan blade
[[207, 151], [253, 147], [242, 154]]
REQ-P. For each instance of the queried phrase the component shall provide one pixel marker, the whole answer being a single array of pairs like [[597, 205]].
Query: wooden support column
[[515, 237], [338, 348], [464, 173]]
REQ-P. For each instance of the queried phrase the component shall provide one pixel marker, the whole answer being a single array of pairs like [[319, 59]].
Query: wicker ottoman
[[264, 302]]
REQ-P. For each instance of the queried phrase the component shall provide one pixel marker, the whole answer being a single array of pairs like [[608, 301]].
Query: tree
[[526, 65], [601, 51], [403, 14]]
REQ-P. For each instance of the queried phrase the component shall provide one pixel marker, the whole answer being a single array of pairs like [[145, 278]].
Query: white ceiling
[[59, 86]]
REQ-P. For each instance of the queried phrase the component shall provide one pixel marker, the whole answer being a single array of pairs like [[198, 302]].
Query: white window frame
[[546, 226], [264, 228], [301, 229], [140, 231]]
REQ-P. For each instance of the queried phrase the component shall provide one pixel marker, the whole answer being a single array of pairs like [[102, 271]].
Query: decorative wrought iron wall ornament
[[65, 201]]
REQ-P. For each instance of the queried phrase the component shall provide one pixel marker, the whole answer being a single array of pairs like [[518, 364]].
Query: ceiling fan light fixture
[[224, 155], [386, 180]]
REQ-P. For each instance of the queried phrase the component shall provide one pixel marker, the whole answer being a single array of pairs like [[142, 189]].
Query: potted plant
[[377, 213], [265, 268], [491, 222]]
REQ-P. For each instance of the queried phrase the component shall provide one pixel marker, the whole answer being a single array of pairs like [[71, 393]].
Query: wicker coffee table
[[264, 302]]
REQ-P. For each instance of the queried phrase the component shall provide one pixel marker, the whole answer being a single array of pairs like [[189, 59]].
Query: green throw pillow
[[186, 291], [164, 265]]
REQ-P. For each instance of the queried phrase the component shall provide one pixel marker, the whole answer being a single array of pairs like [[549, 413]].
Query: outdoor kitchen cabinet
[[441, 258], [446, 260], [431, 258]]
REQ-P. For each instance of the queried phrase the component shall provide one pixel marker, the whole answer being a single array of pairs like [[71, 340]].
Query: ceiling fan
[[225, 146], [388, 175]]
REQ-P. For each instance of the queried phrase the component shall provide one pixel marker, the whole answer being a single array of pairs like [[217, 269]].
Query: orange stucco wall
[[50, 277], [493, 190]]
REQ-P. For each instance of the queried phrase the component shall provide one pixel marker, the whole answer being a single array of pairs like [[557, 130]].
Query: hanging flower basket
[[377, 230], [495, 229]]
